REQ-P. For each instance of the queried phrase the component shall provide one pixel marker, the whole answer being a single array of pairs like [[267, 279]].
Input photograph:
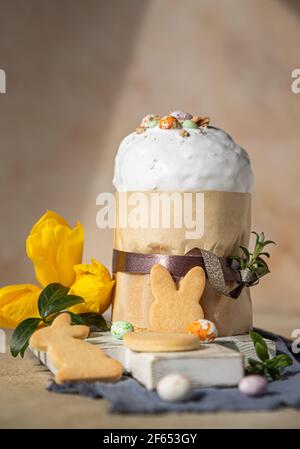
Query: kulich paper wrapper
[[227, 221]]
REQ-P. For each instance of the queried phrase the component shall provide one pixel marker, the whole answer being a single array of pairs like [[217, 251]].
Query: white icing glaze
[[158, 159]]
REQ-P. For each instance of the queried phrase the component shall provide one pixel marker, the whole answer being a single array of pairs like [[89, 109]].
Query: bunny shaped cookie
[[173, 310], [73, 358]]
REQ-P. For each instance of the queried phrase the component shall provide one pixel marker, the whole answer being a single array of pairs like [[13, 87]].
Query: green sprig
[[254, 261], [266, 366]]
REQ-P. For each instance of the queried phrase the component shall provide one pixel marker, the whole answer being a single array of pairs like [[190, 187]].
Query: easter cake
[[183, 156]]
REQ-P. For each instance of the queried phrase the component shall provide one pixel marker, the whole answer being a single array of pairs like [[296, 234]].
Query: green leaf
[[268, 242], [279, 361], [274, 373], [21, 335], [62, 303], [262, 352], [257, 236], [258, 247], [255, 367], [50, 294], [257, 338], [94, 321], [260, 261], [246, 252], [260, 345], [255, 363], [265, 254], [76, 319], [260, 266]]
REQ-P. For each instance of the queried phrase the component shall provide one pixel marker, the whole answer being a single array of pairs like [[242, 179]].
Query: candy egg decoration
[[253, 385], [174, 388], [120, 328], [205, 330], [169, 122], [189, 124], [181, 115]]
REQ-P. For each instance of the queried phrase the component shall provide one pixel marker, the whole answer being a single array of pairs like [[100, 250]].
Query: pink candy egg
[[180, 115], [253, 385]]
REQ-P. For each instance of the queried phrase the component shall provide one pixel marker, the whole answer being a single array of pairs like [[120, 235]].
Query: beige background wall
[[81, 74]]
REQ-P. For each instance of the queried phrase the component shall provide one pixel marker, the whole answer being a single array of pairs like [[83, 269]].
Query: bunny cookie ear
[[63, 319], [193, 283], [161, 281]]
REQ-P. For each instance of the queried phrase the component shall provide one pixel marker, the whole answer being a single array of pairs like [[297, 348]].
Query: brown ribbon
[[178, 266], [219, 270]]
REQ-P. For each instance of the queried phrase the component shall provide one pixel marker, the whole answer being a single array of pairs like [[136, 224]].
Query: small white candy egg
[[174, 387], [253, 385]]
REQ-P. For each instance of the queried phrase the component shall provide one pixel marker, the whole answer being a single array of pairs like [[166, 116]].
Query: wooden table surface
[[25, 403]]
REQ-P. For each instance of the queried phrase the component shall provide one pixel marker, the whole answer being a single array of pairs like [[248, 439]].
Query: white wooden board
[[215, 364]]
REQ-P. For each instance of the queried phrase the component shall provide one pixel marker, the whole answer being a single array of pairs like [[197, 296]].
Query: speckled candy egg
[[174, 387], [180, 115], [169, 122], [253, 385], [121, 328], [205, 330]]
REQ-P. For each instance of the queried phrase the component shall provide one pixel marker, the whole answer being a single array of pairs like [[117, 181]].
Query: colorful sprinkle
[[183, 133], [140, 130]]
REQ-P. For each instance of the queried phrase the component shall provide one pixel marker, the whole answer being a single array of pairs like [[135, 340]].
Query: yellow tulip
[[54, 248], [94, 284], [18, 302]]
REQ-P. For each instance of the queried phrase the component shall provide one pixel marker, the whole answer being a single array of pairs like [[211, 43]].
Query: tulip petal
[[54, 248], [70, 254], [18, 302], [41, 247], [94, 285], [49, 215]]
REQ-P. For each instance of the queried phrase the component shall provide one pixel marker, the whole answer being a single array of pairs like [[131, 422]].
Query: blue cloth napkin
[[129, 396]]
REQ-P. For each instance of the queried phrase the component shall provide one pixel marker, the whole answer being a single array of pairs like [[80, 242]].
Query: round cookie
[[160, 342]]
